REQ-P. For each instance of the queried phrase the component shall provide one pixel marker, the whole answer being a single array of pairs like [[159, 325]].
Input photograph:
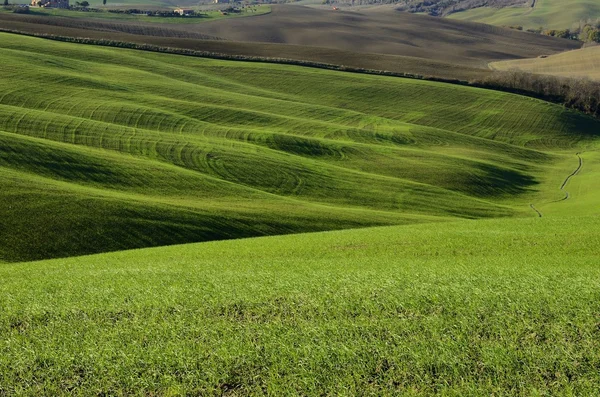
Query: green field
[[481, 279], [549, 14], [488, 307], [144, 149]]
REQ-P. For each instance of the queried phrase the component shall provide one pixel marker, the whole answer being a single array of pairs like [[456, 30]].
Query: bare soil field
[[398, 42], [394, 34]]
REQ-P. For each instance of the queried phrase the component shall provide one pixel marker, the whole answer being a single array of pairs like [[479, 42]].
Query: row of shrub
[[154, 13], [586, 31], [579, 94]]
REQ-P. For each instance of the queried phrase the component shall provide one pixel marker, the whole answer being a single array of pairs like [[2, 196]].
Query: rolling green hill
[[584, 63], [144, 149], [550, 14], [483, 280]]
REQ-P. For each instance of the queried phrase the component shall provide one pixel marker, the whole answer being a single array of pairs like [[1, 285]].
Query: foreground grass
[[477, 307], [550, 14]]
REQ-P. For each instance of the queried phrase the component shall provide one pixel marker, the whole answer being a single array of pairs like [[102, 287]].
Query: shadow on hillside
[[495, 182]]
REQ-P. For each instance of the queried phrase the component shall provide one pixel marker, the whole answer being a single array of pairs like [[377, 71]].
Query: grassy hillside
[[579, 63], [144, 149], [506, 307], [550, 14]]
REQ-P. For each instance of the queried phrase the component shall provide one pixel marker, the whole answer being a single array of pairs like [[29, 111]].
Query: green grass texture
[[106, 149], [484, 307], [550, 14]]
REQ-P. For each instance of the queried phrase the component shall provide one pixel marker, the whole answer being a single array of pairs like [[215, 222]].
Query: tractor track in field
[[564, 184]]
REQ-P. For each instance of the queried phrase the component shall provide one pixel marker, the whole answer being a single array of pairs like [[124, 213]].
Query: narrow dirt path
[[562, 187], [564, 184], [536, 210]]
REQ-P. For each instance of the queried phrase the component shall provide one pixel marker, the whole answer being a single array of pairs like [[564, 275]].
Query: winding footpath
[[536, 210], [564, 184], [562, 187]]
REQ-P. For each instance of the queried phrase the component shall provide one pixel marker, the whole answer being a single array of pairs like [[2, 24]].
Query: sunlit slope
[[106, 149], [578, 63], [579, 190], [471, 308], [550, 14]]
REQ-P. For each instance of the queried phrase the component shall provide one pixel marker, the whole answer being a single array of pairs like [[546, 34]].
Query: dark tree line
[[576, 93]]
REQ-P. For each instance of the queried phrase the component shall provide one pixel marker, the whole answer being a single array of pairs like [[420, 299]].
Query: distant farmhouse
[[184, 11], [50, 3], [221, 1]]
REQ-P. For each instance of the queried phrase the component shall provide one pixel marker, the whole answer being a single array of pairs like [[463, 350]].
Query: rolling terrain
[[395, 34], [396, 42], [147, 149], [453, 246], [549, 14], [583, 63]]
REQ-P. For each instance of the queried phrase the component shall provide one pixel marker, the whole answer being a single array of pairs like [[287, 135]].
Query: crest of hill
[[404, 34], [583, 63], [550, 14], [445, 7]]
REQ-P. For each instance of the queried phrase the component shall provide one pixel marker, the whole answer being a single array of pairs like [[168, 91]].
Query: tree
[[104, 2], [84, 4], [5, 2]]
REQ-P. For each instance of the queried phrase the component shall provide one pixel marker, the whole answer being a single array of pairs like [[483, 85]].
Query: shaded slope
[[233, 149]]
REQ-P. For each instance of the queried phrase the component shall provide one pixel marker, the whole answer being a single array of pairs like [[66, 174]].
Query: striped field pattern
[[144, 149]]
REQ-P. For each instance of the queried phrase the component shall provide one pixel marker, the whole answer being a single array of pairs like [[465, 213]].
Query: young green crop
[[471, 308], [146, 149], [105, 149]]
